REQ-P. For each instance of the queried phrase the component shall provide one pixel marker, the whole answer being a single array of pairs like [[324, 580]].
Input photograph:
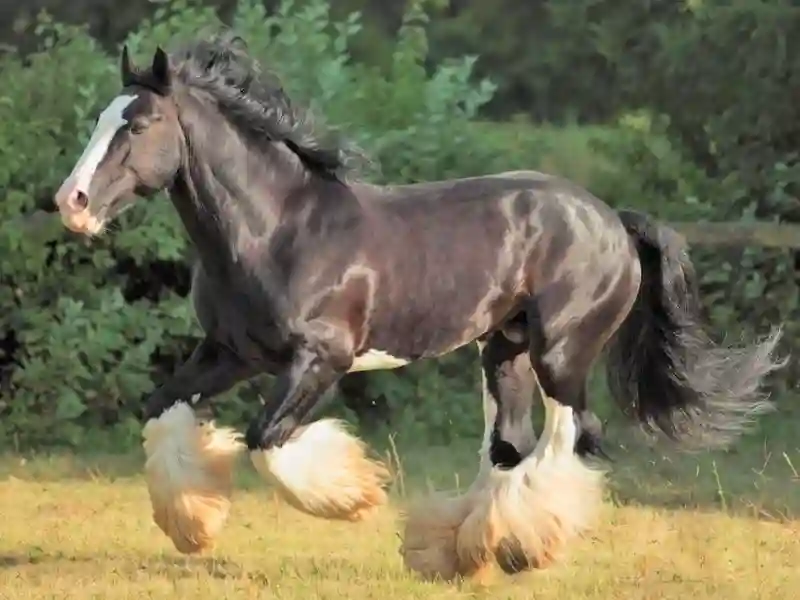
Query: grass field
[[708, 526]]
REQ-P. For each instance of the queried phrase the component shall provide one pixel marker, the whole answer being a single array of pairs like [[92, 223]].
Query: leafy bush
[[71, 356], [89, 326], [720, 80]]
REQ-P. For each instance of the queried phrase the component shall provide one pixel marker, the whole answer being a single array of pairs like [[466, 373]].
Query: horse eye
[[138, 127]]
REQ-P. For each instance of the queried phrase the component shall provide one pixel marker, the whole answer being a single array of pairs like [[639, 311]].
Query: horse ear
[[125, 68], [160, 69]]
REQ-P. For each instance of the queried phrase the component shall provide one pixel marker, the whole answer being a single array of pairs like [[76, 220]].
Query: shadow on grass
[[175, 568], [35, 556], [171, 567]]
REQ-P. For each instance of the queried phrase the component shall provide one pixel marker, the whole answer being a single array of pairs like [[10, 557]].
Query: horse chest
[[229, 312]]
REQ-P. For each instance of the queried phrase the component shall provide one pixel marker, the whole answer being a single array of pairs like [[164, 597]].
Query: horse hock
[[325, 472], [189, 471]]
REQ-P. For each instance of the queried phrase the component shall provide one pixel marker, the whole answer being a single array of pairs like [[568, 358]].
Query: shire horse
[[308, 274]]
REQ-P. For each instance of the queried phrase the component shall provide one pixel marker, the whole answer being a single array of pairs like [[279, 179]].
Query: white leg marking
[[375, 360], [523, 517], [189, 471], [489, 416], [325, 472], [109, 122], [560, 433]]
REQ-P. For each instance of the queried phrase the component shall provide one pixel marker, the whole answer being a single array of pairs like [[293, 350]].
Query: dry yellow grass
[[81, 528]]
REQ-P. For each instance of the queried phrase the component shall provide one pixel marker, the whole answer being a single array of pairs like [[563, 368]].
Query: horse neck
[[228, 194]]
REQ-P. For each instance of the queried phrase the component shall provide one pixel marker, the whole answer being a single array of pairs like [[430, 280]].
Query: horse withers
[[307, 273]]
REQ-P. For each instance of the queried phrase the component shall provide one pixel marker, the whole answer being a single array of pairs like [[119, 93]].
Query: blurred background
[[689, 110]]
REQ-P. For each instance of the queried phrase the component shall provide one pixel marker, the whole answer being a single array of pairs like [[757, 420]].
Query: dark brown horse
[[309, 275]]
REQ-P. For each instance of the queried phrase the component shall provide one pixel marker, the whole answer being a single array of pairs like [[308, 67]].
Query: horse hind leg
[[514, 383], [533, 511], [434, 543], [509, 389], [590, 428], [526, 515]]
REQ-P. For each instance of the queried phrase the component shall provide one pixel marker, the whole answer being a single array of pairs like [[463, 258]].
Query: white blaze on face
[[110, 121]]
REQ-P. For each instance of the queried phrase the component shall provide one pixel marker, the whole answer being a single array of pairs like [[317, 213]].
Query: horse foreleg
[[212, 369], [319, 467], [189, 463]]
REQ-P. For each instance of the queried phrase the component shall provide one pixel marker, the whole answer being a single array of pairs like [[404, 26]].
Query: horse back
[[450, 260]]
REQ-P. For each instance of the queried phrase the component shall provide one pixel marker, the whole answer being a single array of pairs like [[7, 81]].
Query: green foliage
[[546, 72], [722, 79], [90, 325], [60, 303]]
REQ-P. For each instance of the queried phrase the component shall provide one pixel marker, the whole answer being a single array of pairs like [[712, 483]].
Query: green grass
[[716, 525]]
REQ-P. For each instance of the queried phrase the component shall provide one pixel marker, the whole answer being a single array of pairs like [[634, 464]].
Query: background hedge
[[686, 110]]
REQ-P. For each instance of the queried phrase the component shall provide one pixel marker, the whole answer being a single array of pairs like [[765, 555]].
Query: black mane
[[254, 100]]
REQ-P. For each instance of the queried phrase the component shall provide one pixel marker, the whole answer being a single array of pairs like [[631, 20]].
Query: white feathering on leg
[[189, 471], [324, 471], [430, 531], [527, 515], [523, 516]]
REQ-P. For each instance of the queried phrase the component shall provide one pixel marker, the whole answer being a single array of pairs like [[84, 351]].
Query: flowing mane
[[255, 102]]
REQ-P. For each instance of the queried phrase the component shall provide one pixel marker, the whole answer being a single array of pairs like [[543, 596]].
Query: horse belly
[[417, 334]]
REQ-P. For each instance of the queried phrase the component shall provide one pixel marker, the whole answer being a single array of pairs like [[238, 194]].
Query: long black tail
[[664, 368]]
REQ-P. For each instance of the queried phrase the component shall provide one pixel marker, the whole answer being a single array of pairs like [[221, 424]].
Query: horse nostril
[[80, 200]]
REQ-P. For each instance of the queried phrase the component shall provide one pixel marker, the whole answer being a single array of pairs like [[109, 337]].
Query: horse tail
[[665, 369]]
